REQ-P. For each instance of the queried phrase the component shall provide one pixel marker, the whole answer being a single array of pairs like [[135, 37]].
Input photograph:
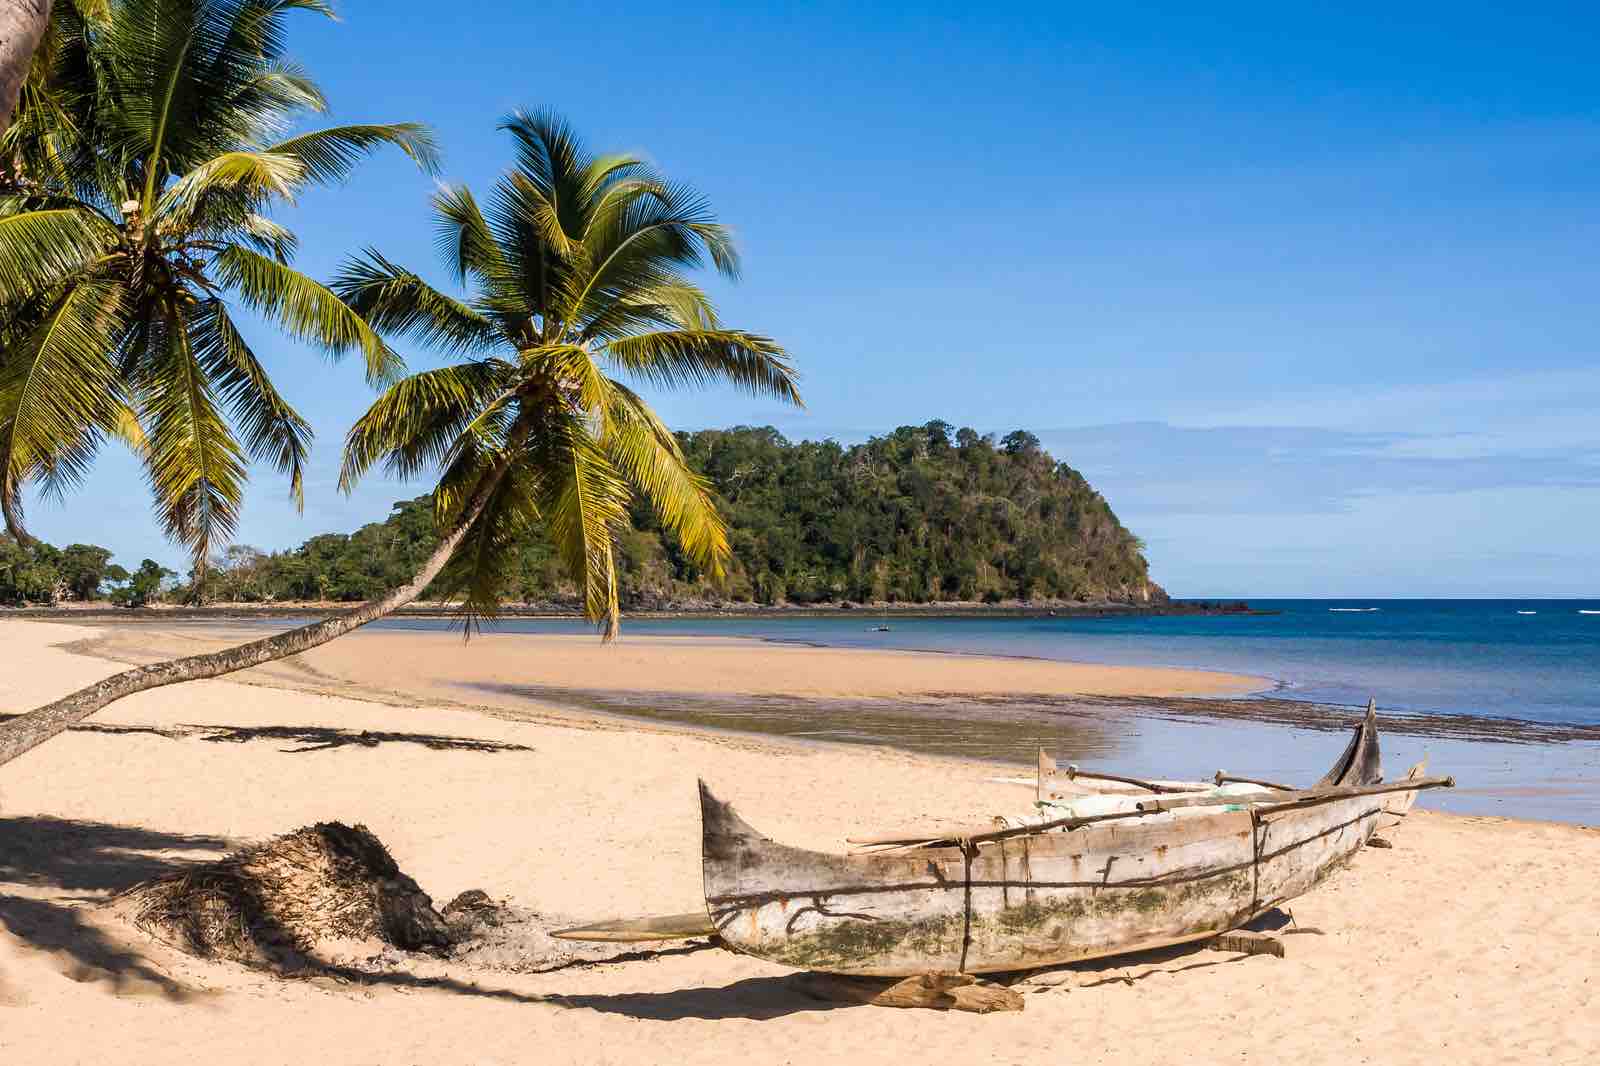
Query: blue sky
[[1310, 297]]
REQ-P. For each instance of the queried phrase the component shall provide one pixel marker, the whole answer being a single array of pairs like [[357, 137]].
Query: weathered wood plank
[[1246, 942], [643, 930], [934, 991]]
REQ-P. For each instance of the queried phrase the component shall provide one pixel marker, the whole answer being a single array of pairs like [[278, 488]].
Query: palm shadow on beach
[[85, 862], [308, 737]]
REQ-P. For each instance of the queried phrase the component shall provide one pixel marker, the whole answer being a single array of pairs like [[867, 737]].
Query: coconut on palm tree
[[577, 281]]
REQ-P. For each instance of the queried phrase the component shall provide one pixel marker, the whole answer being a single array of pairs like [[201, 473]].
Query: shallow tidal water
[[1502, 694]]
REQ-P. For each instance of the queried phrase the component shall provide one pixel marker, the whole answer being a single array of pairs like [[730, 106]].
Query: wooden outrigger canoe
[[1035, 896]]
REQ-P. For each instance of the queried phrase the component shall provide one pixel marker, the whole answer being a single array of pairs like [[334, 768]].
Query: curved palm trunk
[[26, 732], [22, 26]]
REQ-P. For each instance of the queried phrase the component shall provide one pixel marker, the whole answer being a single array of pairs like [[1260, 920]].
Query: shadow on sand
[[754, 998], [319, 738], [310, 738], [92, 859]]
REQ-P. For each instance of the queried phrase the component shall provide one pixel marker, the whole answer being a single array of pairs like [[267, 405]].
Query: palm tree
[[22, 27], [136, 211], [578, 271]]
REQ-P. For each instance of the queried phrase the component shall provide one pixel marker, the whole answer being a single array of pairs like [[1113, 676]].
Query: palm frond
[[555, 166], [419, 420], [290, 87], [195, 467], [584, 502], [572, 372], [267, 237], [273, 431], [155, 47], [539, 276], [480, 571], [306, 309], [645, 451], [678, 358], [254, 176], [39, 249], [329, 155], [59, 391], [194, 78], [395, 301], [642, 238], [462, 237], [671, 303], [124, 425]]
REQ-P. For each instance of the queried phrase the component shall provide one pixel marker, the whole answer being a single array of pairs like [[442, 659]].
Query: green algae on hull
[[853, 943]]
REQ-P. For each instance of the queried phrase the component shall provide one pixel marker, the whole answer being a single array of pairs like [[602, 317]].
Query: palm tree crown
[[577, 277], [135, 191]]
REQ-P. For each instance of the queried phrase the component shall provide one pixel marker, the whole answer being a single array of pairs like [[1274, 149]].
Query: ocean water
[[1478, 657], [1536, 661]]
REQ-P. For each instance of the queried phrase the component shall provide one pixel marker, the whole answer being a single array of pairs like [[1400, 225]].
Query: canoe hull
[[1029, 901]]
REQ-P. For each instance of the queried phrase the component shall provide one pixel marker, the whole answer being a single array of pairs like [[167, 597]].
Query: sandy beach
[[428, 664], [1472, 940]]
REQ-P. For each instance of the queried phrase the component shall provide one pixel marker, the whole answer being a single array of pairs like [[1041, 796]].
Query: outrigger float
[[1111, 865]]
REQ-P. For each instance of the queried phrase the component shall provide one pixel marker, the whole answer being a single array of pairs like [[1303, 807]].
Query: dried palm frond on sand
[[275, 902]]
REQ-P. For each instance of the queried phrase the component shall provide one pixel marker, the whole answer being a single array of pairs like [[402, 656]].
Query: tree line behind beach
[[921, 514]]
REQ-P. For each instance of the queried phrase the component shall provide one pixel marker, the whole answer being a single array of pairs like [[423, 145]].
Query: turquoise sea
[[1505, 694]]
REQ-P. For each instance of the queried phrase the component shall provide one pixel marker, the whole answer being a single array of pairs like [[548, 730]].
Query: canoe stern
[[875, 914]]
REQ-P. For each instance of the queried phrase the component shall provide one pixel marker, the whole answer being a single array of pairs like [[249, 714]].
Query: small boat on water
[[1353, 610], [1174, 866], [1582, 611]]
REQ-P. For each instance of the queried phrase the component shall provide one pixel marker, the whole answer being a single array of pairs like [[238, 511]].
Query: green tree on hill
[[909, 517]]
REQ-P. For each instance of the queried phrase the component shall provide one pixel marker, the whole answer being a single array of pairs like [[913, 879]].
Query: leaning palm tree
[[578, 281], [136, 215]]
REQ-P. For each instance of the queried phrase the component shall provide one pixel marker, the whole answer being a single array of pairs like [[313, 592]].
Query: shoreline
[[583, 711], [1255, 697], [935, 703]]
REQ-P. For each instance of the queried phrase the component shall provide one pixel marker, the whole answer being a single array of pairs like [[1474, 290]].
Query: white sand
[[1473, 940]]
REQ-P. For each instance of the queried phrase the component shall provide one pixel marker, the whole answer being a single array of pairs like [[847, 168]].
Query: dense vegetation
[[924, 513], [40, 573], [921, 514]]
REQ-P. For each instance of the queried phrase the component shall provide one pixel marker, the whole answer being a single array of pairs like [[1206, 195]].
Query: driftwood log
[[934, 991]]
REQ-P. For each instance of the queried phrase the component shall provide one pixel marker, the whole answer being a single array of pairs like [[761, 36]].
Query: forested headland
[[923, 514]]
